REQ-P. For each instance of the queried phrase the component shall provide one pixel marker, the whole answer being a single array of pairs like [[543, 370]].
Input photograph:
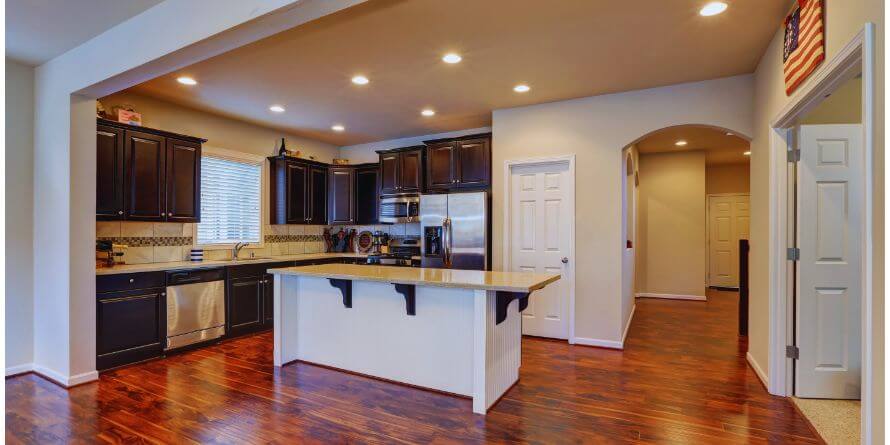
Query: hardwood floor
[[681, 379]]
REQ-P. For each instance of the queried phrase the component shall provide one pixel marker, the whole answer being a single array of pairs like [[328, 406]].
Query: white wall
[[596, 129], [361, 153], [843, 21], [630, 195], [19, 216], [65, 149], [673, 226]]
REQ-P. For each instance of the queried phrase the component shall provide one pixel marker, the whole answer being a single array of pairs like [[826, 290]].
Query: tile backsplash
[[166, 242]]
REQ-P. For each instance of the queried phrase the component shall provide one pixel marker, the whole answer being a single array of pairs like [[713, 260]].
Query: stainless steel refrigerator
[[454, 229]]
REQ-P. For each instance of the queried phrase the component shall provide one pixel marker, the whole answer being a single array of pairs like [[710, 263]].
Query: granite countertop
[[452, 278], [179, 265]]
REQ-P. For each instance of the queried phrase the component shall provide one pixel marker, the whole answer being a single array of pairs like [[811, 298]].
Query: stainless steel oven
[[400, 209]]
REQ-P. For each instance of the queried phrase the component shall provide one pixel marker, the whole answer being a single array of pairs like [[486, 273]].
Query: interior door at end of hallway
[[540, 224], [728, 222], [830, 206]]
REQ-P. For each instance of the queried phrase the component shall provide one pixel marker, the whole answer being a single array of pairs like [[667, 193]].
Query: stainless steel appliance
[[399, 209], [454, 230], [196, 301], [403, 252]]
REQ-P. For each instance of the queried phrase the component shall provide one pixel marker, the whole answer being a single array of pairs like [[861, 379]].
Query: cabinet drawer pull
[[120, 212]]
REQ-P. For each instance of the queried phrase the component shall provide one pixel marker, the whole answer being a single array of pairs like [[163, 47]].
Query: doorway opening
[[686, 209]]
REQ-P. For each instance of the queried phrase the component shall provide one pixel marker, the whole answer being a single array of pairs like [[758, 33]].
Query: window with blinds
[[230, 201]]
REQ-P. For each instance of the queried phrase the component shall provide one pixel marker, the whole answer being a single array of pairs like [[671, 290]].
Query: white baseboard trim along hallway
[[630, 319], [672, 296], [19, 369], [757, 369], [611, 344], [66, 381]]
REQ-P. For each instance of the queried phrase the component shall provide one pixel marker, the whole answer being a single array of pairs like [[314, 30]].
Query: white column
[[496, 350]]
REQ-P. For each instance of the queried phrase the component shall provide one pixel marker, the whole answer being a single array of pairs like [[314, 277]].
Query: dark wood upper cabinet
[[298, 191], [401, 170], [109, 172], [461, 163], [318, 195], [389, 173], [410, 171], [183, 181], [473, 163], [439, 163], [366, 194], [341, 195], [144, 182], [145, 174]]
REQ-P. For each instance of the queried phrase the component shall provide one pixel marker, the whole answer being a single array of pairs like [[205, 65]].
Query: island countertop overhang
[[451, 278]]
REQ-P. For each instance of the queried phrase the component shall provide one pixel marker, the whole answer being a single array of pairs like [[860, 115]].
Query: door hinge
[[792, 351], [793, 254], [793, 155]]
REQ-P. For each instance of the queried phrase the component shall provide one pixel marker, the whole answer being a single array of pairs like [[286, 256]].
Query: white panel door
[[540, 222], [728, 222], [829, 224]]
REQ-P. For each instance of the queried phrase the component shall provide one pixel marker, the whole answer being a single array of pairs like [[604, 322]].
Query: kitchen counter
[[451, 278], [456, 331], [180, 265]]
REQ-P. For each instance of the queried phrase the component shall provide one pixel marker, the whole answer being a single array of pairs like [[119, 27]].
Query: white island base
[[451, 344]]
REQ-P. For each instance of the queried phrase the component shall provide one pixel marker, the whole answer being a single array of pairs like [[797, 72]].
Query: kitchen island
[[456, 331]]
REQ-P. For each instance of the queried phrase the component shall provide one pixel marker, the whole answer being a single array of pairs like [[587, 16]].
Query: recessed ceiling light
[[680, 143], [451, 58], [428, 112], [338, 127], [360, 80], [521, 88], [713, 8], [277, 108], [730, 134], [187, 80], [747, 153]]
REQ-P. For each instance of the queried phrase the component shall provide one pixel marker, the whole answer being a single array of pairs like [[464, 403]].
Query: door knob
[[565, 260]]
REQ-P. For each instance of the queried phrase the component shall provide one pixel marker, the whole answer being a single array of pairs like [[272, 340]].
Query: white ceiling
[[720, 146], [562, 49], [39, 30]]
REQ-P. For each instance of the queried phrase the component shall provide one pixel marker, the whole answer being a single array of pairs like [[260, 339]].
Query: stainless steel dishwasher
[[196, 306]]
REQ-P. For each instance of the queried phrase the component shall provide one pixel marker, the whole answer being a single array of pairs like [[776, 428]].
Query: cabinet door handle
[[163, 294], [132, 280]]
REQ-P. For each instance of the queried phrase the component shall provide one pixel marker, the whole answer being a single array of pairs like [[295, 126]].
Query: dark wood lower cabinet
[[246, 297], [130, 326]]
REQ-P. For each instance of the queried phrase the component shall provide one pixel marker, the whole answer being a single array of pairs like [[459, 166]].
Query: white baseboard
[[630, 319], [757, 369], [65, 381], [611, 344], [19, 369], [673, 296]]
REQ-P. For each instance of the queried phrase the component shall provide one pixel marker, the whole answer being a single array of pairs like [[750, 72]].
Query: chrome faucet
[[236, 249]]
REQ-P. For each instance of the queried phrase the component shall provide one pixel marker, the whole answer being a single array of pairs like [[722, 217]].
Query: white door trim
[[855, 57], [506, 256], [708, 228]]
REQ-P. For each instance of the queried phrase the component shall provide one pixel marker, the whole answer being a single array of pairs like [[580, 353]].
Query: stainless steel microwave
[[400, 209]]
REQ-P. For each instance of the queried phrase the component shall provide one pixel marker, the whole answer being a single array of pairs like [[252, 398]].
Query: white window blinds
[[230, 201]]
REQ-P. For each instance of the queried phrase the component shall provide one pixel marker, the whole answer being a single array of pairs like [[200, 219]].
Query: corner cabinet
[[462, 163], [401, 170], [367, 194], [298, 191], [144, 174]]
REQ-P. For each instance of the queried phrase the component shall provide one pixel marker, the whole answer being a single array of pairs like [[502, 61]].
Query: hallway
[[682, 379]]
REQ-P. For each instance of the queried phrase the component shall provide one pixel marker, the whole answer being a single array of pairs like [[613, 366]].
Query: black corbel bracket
[[407, 291], [345, 287], [503, 300]]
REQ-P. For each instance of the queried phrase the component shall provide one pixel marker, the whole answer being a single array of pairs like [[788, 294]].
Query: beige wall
[[595, 130], [630, 230], [844, 19], [728, 178], [19, 214], [671, 252], [844, 106], [220, 132]]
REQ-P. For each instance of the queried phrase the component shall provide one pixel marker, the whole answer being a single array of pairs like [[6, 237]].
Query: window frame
[[238, 156]]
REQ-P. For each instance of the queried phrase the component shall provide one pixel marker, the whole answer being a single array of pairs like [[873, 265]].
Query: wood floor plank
[[682, 378]]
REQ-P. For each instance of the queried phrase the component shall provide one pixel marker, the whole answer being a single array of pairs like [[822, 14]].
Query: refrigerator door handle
[[446, 242]]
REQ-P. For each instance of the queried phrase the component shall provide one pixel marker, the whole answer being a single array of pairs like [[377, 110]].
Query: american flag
[[804, 43]]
